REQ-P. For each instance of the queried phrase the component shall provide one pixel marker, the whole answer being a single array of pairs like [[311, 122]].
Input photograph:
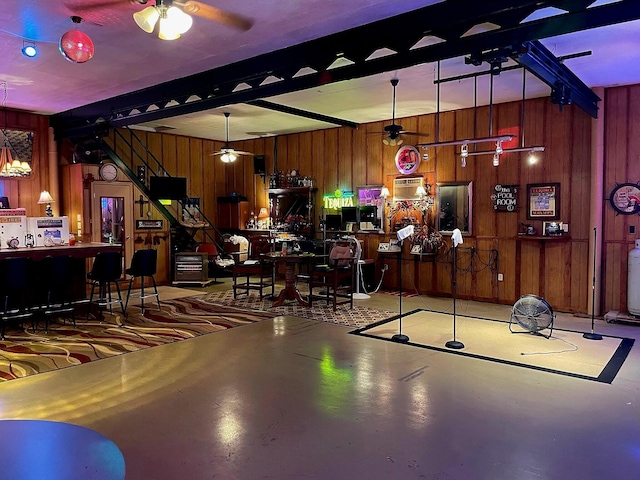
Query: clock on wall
[[625, 198], [108, 172]]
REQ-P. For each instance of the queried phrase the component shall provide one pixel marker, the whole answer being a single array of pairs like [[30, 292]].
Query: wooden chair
[[255, 273], [337, 276]]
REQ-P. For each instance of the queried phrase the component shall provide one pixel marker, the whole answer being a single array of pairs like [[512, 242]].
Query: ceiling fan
[[394, 130], [227, 153], [173, 17]]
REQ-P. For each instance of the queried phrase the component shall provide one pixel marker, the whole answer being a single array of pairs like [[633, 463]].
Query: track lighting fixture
[[29, 49], [499, 147], [464, 153], [496, 160]]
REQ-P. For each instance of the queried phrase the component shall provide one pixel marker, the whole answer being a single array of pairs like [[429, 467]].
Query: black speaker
[[259, 167]]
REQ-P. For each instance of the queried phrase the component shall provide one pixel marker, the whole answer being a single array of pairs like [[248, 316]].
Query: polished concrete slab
[[290, 398]]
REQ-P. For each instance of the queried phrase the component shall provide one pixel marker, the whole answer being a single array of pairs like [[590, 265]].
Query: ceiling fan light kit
[[227, 153], [172, 22]]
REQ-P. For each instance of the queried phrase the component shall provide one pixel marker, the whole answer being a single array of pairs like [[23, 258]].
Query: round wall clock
[[625, 198], [407, 159], [108, 172]]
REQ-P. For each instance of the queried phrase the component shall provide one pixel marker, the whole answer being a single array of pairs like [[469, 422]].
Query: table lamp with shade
[[46, 199], [263, 218]]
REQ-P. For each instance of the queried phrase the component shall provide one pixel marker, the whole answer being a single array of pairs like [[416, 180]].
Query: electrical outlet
[[500, 277]]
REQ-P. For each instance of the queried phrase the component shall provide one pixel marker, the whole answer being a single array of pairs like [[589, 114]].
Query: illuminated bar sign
[[338, 199]]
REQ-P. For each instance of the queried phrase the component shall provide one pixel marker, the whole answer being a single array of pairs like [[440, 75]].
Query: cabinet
[[191, 267], [292, 209], [233, 212]]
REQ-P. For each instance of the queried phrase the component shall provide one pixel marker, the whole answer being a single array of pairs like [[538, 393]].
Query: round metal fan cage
[[532, 314]]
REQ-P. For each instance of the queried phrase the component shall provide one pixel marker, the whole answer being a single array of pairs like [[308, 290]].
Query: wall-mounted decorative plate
[[407, 159], [625, 198]]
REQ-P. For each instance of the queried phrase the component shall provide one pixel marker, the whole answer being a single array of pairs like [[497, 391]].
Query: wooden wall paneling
[[211, 181], [305, 146], [359, 155], [373, 160], [580, 193], [170, 154], [318, 167], [345, 162], [154, 145], [282, 148], [183, 163], [556, 280], [445, 156], [529, 267], [293, 152], [579, 272], [508, 265], [427, 125], [194, 162], [331, 179], [611, 298]]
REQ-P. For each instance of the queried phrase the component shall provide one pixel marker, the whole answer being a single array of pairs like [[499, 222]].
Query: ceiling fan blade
[[419, 134], [212, 13], [74, 7]]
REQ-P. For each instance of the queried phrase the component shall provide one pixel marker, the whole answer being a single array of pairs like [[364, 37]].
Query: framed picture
[[553, 229], [543, 201], [416, 249], [407, 159]]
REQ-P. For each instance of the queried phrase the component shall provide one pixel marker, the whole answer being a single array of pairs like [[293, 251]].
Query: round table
[[46, 450]]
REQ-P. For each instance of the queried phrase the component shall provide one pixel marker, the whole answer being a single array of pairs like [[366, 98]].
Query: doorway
[[112, 216]]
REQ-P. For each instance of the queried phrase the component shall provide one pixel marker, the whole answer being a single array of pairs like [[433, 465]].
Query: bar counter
[[79, 250]]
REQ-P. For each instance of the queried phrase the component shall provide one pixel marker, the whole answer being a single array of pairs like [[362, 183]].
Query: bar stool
[[56, 277], [16, 288], [106, 270], [143, 264]]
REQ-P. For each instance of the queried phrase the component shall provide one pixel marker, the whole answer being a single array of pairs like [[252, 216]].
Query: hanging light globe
[[76, 46]]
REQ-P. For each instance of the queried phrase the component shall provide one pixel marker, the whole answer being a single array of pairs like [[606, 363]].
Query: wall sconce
[[421, 192], [46, 199], [384, 193]]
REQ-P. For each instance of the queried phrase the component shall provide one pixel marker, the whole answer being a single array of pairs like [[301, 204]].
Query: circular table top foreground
[[46, 450]]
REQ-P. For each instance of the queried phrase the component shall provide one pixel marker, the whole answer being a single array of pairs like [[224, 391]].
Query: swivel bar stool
[[56, 280], [16, 288], [107, 270], [143, 264]]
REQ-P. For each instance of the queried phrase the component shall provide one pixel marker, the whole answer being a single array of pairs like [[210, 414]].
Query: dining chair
[[336, 277], [257, 272]]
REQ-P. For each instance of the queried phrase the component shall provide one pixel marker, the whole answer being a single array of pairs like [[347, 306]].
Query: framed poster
[[543, 201], [149, 225]]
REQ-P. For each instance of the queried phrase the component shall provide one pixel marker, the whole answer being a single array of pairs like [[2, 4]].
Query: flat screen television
[[333, 222], [350, 215], [167, 188], [368, 214]]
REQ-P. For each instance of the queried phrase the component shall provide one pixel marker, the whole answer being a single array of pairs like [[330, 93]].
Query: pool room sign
[[505, 198]]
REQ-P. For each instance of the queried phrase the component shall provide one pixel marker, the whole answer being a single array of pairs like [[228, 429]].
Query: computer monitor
[[333, 222], [168, 188], [350, 215]]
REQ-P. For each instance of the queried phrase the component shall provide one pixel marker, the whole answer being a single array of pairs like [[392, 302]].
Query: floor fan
[[533, 314]]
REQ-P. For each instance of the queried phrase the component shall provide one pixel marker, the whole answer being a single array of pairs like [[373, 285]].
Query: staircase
[[186, 223]]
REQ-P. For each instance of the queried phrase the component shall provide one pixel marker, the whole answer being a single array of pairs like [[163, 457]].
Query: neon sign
[[338, 199]]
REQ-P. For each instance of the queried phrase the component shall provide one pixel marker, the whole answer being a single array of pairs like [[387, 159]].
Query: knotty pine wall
[[622, 164], [25, 192], [344, 158]]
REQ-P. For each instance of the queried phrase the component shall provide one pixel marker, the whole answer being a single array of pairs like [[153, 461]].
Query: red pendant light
[[76, 46]]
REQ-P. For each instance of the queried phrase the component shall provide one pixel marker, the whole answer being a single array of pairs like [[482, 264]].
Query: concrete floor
[[296, 399]]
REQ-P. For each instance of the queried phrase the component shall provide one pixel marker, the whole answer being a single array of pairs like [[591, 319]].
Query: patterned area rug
[[24, 352], [357, 317]]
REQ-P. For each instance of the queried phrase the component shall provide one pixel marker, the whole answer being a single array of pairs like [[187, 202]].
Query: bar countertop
[[79, 250]]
